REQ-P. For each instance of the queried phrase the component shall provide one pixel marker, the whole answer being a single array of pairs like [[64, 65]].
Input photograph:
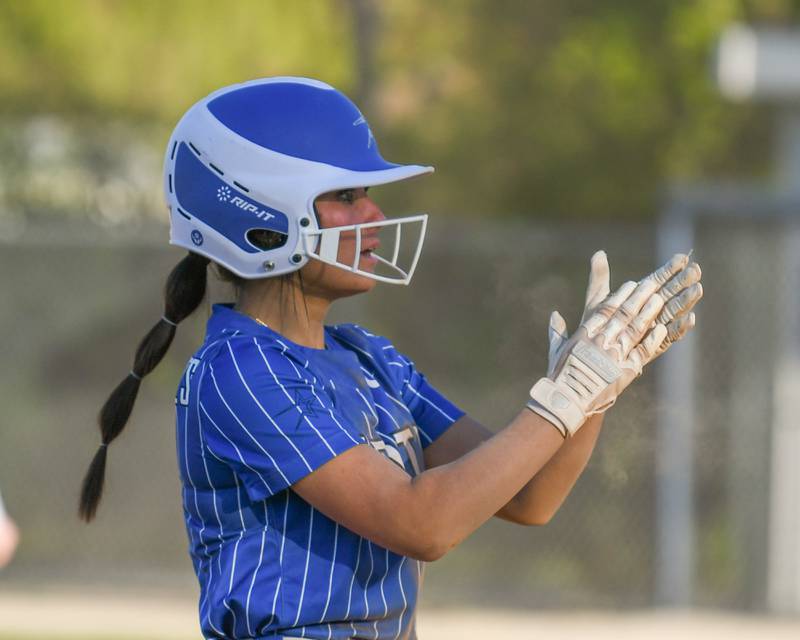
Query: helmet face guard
[[245, 164], [323, 245]]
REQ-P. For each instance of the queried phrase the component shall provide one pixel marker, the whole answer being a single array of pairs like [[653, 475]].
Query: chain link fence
[[76, 301]]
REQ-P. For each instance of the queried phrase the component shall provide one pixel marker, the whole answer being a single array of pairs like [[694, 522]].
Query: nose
[[372, 212]]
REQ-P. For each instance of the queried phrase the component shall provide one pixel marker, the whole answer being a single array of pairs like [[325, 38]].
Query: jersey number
[[183, 392]]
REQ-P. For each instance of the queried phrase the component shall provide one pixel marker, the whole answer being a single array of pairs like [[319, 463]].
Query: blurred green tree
[[569, 109], [149, 59]]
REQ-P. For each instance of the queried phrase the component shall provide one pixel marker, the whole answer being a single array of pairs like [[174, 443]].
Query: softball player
[[320, 469]]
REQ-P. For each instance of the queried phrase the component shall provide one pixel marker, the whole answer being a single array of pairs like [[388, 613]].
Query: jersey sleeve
[[432, 411], [268, 418]]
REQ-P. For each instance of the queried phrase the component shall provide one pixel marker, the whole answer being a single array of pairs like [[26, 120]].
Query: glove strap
[[569, 399]]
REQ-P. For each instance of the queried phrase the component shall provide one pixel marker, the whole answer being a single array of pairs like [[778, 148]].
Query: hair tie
[[103, 445], [133, 374], [168, 321]]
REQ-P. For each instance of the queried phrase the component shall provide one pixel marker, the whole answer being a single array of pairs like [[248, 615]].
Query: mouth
[[368, 248]]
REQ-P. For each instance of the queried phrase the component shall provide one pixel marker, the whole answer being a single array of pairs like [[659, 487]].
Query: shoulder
[[358, 338], [250, 356], [376, 353]]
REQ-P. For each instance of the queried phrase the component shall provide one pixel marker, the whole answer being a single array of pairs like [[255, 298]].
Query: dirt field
[[99, 615]]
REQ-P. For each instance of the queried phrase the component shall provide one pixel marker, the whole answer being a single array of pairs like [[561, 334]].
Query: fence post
[[674, 441]]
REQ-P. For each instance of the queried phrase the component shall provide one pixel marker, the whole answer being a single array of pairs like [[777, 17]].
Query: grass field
[[69, 615]]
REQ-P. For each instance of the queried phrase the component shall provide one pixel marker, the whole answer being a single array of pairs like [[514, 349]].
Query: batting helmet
[[245, 164]]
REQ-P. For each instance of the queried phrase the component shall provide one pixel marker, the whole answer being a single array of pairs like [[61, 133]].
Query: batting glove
[[618, 335]]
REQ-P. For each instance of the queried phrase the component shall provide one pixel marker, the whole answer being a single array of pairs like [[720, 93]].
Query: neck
[[282, 305]]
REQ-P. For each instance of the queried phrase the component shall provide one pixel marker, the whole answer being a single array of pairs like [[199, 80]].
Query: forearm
[[539, 500], [458, 497]]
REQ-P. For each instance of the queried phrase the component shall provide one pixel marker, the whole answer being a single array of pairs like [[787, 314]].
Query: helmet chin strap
[[323, 245]]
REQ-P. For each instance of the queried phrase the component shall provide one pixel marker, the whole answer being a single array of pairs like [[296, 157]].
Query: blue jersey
[[255, 414]]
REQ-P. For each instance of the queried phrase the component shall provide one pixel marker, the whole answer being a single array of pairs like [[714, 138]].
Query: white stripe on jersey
[[263, 410], [330, 577], [424, 399], [400, 404], [383, 579], [366, 402], [280, 562], [197, 507], [359, 349], [216, 512], [233, 444], [252, 437], [364, 331], [388, 413], [189, 476], [258, 567], [353, 579], [235, 548], [233, 564], [305, 571], [402, 593], [299, 410], [321, 404], [226, 599], [314, 392], [369, 577], [286, 393]]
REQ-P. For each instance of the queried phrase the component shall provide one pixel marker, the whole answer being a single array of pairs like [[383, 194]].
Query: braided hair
[[184, 291]]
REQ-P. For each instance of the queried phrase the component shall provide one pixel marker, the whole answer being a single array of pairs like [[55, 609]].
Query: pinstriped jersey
[[255, 414]]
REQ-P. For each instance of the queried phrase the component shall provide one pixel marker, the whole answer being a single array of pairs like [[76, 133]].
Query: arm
[[426, 516], [537, 502]]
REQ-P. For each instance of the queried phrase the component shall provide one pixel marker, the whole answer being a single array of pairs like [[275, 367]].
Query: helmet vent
[[241, 186], [215, 168], [170, 182], [194, 149], [183, 213], [266, 239], [174, 147]]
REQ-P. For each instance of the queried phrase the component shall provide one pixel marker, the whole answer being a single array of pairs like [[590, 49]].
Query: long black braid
[[183, 293]]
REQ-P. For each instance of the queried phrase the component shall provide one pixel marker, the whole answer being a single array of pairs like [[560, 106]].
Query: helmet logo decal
[[197, 237], [223, 194], [362, 120], [246, 206]]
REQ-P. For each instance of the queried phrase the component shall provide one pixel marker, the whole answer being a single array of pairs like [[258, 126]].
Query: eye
[[347, 196]]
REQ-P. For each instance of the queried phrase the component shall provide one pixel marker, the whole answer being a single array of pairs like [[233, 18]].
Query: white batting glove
[[618, 335], [680, 296], [680, 293]]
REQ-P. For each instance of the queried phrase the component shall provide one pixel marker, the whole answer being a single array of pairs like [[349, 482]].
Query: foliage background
[[555, 128], [516, 102]]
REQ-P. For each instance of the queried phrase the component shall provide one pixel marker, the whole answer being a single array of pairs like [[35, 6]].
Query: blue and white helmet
[[246, 163]]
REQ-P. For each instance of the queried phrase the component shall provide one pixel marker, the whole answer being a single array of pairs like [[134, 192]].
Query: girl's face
[[340, 208]]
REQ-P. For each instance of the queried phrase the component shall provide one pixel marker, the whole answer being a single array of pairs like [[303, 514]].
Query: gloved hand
[[618, 335], [680, 294]]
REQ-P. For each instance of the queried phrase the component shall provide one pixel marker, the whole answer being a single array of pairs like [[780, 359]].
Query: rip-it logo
[[224, 195]]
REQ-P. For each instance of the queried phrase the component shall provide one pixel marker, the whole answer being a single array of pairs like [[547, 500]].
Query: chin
[[333, 283], [356, 284]]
